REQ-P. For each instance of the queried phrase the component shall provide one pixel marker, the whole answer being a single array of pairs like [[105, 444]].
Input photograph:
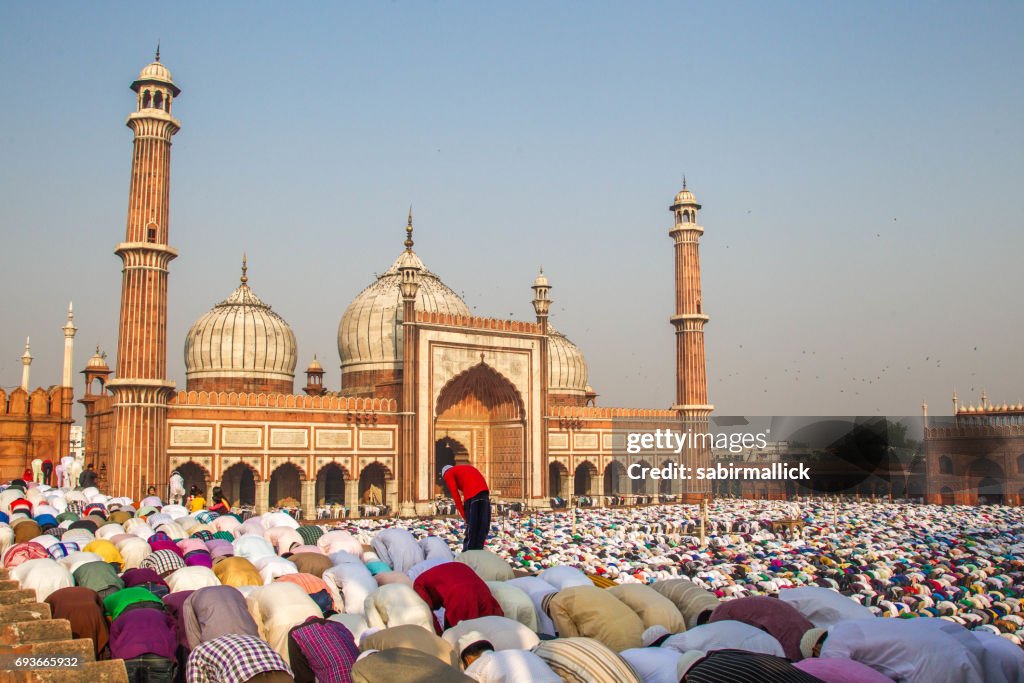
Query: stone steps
[[27, 629]]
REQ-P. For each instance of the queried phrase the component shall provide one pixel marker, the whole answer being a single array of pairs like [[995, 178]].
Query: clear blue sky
[[860, 165]]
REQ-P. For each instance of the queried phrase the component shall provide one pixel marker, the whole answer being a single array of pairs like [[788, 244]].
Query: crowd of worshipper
[[868, 592]]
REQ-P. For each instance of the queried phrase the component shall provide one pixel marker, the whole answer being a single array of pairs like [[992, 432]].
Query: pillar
[[262, 496], [352, 497], [308, 498], [391, 497]]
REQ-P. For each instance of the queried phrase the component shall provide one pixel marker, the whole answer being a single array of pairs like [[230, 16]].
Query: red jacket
[[457, 588], [467, 480]]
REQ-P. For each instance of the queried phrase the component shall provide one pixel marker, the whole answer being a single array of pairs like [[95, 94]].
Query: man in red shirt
[[476, 510]]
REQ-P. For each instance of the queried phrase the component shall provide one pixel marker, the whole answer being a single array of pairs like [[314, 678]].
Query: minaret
[[409, 285], [69, 349], [141, 387], [542, 307], [689, 320], [67, 390], [26, 363]]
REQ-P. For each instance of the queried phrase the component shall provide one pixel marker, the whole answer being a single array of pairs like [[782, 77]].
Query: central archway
[[989, 479], [484, 404], [284, 484]]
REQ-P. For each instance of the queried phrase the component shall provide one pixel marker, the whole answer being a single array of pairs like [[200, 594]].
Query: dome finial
[[408, 231], [245, 268], [684, 181], [158, 49]]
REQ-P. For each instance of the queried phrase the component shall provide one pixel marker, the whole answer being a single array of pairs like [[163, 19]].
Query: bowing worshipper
[[353, 582], [397, 548], [235, 657], [456, 587], [717, 636], [483, 664], [276, 608], [436, 547], [321, 651], [174, 603], [146, 639], [396, 604], [176, 484], [771, 615], [59, 475], [652, 607], [473, 501], [732, 666], [100, 577], [87, 479], [537, 589], [316, 588], [501, 632], [823, 606], [84, 609], [412, 637], [311, 563], [595, 613], [999, 652], [515, 604], [145, 578], [403, 665], [237, 571], [44, 576], [654, 664], [694, 602], [135, 597], [214, 611], [47, 469], [904, 654], [585, 660], [488, 566]]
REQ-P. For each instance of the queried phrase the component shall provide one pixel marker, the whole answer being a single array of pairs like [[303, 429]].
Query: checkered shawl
[[328, 648], [163, 562], [232, 659], [310, 534]]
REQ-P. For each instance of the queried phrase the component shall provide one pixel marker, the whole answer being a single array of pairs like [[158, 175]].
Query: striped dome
[[241, 339], [370, 331]]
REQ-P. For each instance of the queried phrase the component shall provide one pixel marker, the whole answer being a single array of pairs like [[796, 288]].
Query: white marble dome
[[370, 331], [241, 338], [567, 369]]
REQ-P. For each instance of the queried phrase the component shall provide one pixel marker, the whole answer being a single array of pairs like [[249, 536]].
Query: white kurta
[[511, 666], [721, 635]]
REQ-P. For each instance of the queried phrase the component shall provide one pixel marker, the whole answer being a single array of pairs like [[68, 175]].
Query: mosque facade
[[424, 382]]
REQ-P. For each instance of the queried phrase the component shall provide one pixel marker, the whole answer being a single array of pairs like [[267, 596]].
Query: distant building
[[977, 457], [36, 425]]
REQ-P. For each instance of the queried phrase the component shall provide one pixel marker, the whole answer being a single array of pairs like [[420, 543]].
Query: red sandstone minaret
[[689, 319], [141, 387]]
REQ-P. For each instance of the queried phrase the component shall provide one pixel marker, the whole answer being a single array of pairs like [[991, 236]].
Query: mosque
[[424, 382]]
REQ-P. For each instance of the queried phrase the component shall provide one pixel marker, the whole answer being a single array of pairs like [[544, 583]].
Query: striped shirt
[[232, 659], [729, 666], [585, 660]]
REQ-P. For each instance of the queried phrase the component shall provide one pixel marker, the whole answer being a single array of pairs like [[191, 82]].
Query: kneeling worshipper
[[321, 651], [396, 604], [404, 665], [237, 658], [654, 664], [276, 608], [902, 652], [694, 602], [824, 606], [397, 548], [501, 632], [585, 660], [717, 636], [456, 587], [482, 663]]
